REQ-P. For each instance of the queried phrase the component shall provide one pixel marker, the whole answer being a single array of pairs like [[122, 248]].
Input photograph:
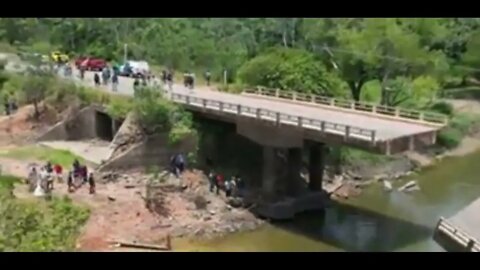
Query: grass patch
[[353, 156], [7, 182], [42, 153]]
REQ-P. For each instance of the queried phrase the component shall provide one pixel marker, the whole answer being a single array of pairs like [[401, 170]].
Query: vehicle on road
[[59, 57], [135, 69], [91, 63]]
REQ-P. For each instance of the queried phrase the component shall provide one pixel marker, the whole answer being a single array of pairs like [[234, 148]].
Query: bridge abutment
[[316, 166]]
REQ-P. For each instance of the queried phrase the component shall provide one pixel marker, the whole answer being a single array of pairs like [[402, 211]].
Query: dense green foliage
[[459, 126], [356, 50], [158, 115], [37, 225]]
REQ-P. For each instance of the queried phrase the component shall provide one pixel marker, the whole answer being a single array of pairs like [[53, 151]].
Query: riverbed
[[374, 221]]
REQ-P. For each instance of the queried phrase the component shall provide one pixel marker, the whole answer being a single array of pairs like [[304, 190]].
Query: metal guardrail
[[457, 235], [426, 117], [278, 117], [274, 116]]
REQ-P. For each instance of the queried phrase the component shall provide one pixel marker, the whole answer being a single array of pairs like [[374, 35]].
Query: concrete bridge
[[461, 232], [293, 122]]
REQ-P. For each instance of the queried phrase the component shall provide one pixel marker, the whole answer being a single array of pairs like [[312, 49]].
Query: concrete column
[[316, 166], [269, 170], [294, 168]]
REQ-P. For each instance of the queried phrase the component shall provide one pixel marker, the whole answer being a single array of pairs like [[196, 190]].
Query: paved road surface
[[386, 129]]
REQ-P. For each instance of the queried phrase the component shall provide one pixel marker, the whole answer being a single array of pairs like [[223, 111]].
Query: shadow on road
[[355, 229]]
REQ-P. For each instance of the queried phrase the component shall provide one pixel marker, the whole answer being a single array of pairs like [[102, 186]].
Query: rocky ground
[[119, 209]]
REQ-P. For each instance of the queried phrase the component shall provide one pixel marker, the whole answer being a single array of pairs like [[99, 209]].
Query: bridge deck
[[385, 129]]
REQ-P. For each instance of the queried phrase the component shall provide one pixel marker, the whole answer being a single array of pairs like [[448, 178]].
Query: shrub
[[459, 126], [449, 138], [442, 107], [290, 69], [38, 226]]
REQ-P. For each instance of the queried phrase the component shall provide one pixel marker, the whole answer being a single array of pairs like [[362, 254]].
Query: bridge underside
[[270, 132]]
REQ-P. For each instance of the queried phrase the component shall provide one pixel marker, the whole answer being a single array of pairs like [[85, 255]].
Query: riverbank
[[363, 172], [119, 209], [375, 221]]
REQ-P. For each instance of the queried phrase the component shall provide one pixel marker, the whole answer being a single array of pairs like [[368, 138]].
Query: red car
[[91, 63]]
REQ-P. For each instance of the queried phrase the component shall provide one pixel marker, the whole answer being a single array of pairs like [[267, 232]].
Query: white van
[[139, 67]]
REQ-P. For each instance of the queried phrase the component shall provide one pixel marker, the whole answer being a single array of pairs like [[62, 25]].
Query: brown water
[[375, 221]]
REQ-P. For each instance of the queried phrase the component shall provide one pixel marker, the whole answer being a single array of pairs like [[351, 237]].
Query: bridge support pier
[[294, 181], [316, 166], [269, 171]]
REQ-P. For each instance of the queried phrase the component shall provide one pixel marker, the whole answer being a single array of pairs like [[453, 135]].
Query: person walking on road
[[96, 79], [212, 180], [114, 82], [164, 77], [207, 77], [170, 80]]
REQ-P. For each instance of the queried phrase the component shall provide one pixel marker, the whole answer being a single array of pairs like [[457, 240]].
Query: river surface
[[374, 221]]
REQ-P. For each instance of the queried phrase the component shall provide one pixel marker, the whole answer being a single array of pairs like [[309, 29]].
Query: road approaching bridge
[[374, 128]]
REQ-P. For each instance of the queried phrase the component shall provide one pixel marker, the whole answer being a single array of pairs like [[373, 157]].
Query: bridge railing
[[426, 117], [458, 236], [278, 117]]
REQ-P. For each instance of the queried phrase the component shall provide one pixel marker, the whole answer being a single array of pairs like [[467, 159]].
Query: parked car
[[59, 57], [91, 63]]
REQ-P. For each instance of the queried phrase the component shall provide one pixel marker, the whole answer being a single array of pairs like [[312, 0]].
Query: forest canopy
[[384, 59]]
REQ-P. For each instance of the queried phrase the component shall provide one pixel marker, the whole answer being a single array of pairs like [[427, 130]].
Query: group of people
[[107, 76], [232, 186], [41, 181]]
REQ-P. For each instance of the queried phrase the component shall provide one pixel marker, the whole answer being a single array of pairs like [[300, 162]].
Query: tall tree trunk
[[35, 106], [356, 88], [383, 89], [284, 38]]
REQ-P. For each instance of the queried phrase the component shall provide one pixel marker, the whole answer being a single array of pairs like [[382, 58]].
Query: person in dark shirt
[[96, 79], [91, 183], [207, 77]]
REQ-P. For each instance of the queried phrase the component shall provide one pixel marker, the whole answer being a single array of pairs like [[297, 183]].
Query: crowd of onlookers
[[233, 187], [41, 180]]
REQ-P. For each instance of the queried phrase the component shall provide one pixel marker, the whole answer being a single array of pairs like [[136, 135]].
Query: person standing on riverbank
[[219, 182], [228, 188], [211, 180]]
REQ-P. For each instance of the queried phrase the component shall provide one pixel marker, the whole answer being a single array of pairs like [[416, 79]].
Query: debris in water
[[387, 185], [410, 186]]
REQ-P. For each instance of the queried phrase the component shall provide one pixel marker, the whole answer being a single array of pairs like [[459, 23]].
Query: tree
[[34, 89], [290, 69]]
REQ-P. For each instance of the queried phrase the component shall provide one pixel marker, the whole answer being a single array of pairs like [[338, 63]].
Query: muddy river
[[375, 221]]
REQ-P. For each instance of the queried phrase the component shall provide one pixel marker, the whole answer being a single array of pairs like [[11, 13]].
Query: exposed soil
[[21, 127], [119, 212]]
